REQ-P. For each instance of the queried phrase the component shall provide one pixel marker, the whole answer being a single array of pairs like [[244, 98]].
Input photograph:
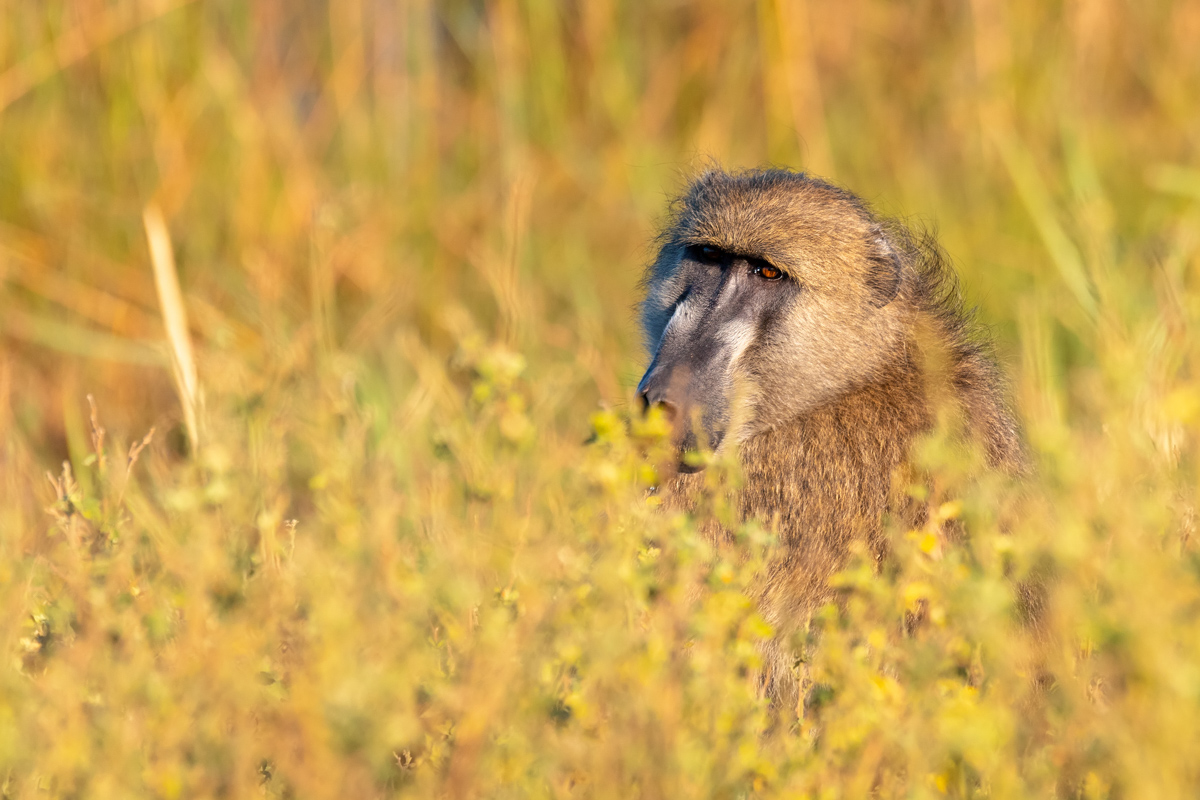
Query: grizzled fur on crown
[[840, 367], [781, 215]]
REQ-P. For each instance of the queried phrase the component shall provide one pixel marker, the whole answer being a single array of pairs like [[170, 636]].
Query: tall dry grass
[[383, 562]]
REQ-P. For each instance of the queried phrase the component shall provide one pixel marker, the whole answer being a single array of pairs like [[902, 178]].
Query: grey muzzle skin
[[690, 376], [683, 418], [670, 391], [710, 311]]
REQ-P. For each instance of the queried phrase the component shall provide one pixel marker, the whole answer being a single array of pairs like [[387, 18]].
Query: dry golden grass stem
[[63, 509], [135, 450], [97, 435], [170, 298]]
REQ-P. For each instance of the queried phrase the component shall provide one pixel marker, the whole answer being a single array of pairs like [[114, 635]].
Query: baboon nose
[[651, 395], [669, 409], [653, 390]]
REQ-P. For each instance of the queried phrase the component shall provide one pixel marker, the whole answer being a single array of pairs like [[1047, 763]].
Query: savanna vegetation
[[367, 513]]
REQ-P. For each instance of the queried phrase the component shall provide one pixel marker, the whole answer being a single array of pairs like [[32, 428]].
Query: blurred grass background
[[409, 237]]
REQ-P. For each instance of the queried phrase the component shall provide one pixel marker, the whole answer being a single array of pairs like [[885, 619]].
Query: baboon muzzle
[[681, 398]]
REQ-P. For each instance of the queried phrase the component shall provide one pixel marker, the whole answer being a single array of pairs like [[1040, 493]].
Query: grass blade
[[170, 298]]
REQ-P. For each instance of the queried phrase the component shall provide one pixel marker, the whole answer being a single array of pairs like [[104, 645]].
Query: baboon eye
[[706, 253], [768, 271]]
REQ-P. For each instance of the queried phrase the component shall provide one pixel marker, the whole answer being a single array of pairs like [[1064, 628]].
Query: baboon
[[788, 320]]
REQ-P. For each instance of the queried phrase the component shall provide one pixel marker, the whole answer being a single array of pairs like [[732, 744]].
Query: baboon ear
[[883, 273]]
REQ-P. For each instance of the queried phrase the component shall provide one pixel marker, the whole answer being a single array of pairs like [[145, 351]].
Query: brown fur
[[822, 475]]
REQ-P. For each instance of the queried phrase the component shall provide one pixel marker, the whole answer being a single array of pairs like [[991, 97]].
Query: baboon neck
[[883, 413], [828, 473]]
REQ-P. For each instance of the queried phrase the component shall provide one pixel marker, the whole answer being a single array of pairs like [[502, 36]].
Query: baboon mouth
[[691, 457]]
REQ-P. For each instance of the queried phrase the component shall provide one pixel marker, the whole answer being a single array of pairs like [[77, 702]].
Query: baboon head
[[772, 294]]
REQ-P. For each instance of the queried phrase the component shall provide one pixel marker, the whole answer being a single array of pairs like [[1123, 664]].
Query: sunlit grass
[[408, 549]]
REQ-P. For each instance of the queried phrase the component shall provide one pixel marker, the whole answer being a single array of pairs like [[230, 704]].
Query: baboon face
[[772, 294]]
